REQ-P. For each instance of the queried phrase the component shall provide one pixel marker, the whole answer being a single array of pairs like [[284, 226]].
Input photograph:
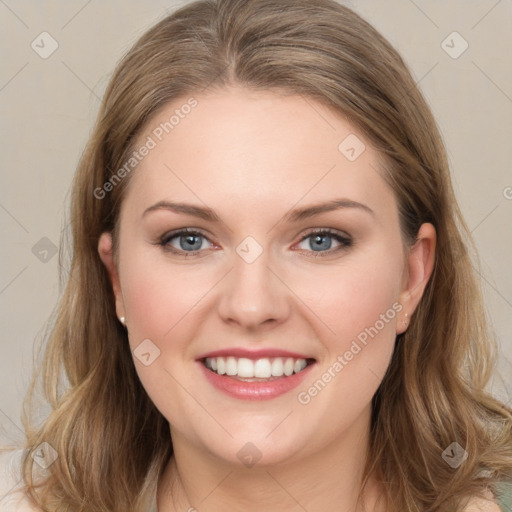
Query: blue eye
[[320, 242], [189, 242]]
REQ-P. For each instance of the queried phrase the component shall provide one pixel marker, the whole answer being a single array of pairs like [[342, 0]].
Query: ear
[[420, 264], [107, 257]]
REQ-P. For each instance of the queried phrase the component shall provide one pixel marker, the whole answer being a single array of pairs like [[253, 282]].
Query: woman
[[271, 305]]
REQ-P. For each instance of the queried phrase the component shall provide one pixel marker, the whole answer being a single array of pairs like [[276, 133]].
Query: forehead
[[254, 149]]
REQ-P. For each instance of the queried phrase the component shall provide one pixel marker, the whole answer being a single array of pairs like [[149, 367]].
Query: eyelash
[[345, 242]]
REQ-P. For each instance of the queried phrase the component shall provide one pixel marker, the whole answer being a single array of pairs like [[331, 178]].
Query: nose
[[253, 295]]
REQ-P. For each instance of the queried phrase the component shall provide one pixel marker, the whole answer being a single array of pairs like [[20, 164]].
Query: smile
[[254, 376], [264, 368]]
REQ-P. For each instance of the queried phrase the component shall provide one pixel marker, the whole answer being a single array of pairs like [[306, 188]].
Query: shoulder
[[11, 497], [487, 504]]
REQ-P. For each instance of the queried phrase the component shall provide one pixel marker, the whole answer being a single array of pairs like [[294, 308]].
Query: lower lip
[[254, 390]]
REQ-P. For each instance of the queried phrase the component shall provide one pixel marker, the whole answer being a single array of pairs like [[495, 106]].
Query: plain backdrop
[[48, 104]]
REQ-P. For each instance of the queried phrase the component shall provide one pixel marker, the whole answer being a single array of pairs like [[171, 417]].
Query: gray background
[[48, 106]]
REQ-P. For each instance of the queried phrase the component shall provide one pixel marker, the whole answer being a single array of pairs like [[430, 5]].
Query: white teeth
[[231, 366], [299, 365], [263, 368], [288, 366], [245, 367], [277, 367], [221, 365]]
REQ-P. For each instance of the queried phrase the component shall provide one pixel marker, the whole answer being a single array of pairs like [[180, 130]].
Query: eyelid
[[330, 231], [194, 231], [164, 241], [344, 239]]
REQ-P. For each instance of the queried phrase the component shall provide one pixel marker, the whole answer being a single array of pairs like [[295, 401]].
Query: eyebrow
[[296, 215]]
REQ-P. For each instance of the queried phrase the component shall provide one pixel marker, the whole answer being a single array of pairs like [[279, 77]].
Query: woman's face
[[295, 257]]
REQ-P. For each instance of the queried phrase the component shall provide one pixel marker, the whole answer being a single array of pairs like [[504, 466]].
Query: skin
[[251, 157]]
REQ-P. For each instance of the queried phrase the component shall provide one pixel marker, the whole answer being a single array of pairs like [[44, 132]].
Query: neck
[[329, 479]]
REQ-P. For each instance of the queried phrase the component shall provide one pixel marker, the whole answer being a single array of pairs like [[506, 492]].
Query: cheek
[[360, 293], [162, 303], [158, 296], [360, 304], [358, 301]]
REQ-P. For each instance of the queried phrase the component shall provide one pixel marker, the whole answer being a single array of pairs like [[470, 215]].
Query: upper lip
[[253, 354]]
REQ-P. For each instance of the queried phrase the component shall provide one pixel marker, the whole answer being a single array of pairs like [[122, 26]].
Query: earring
[[122, 320], [405, 319]]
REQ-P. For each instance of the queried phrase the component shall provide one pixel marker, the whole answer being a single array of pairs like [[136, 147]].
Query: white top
[[11, 498]]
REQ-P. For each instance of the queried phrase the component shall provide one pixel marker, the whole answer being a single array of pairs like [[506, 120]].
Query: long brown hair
[[112, 443]]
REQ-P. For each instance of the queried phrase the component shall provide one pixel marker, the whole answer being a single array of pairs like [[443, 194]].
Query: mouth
[[255, 375], [265, 369]]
